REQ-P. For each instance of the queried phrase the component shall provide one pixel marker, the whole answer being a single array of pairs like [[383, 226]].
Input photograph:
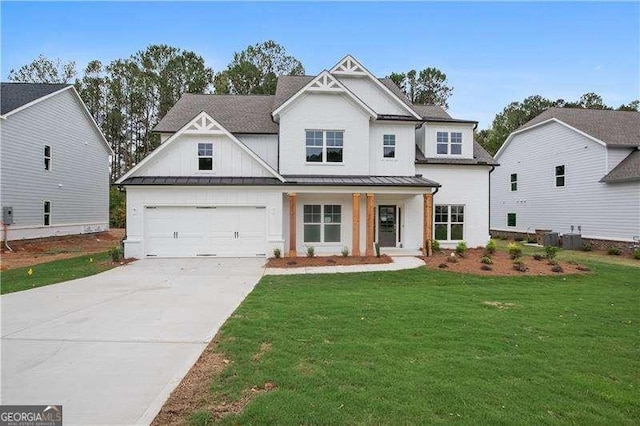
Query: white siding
[[265, 146], [404, 162], [319, 111], [606, 211], [139, 197], [430, 134], [180, 158], [373, 95], [466, 185], [77, 184], [615, 156]]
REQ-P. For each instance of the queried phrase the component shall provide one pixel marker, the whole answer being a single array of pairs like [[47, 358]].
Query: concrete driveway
[[110, 348]]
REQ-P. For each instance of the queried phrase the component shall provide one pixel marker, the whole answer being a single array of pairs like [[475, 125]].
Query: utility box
[[572, 241], [7, 215], [550, 239]]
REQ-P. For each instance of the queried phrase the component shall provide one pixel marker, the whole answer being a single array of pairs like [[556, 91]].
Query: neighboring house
[[54, 163], [333, 160], [569, 168]]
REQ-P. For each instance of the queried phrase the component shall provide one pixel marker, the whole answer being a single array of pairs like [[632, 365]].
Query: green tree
[[255, 70], [44, 70], [631, 106], [428, 86], [92, 90]]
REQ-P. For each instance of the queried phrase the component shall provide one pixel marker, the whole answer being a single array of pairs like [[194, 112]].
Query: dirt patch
[[41, 250], [264, 348], [301, 262], [499, 305], [502, 264], [193, 394]]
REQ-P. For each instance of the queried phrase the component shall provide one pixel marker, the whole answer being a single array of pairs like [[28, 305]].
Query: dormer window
[[205, 156], [389, 146], [456, 143], [324, 146], [449, 143], [443, 143]]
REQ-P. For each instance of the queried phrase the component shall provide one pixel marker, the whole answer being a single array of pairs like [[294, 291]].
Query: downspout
[[489, 225]]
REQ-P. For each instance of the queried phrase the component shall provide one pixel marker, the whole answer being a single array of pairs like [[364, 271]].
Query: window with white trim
[[442, 140], [47, 157], [456, 143], [205, 156], [46, 210], [449, 143], [389, 146], [449, 222], [514, 181], [560, 175], [324, 146], [322, 223]]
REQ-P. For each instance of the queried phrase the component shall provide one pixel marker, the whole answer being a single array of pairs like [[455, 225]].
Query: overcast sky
[[492, 53]]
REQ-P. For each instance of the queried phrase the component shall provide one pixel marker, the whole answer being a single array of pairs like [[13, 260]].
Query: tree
[[428, 86], [44, 70], [588, 101], [255, 70], [92, 90], [631, 106]]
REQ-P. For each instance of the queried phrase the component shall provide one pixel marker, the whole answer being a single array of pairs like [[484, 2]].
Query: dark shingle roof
[[627, 170], [236, 113], [431, 111], [15, 95], [480, 157], [289, 85], [615, 128]]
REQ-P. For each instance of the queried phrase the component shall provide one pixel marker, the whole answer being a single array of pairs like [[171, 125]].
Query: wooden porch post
[[371, 215], [355, 223], [427, 233], [293, 198]]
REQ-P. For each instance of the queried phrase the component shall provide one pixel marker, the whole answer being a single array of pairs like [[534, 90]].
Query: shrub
[[519, 266], [636, 254], [435, 245], [614, 251], [556, 268], [486, 268], [486, 260], [345, 251], [117, 208], [116, 253], [490, 247], [514, 250], [443, 266], [311, 251], [550, 252], [461, 248], [587, 246], [277, 253], [377, 247], [538, 257], [552, 262]]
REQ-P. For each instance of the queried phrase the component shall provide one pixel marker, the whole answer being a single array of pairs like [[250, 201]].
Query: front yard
[[423, 346]]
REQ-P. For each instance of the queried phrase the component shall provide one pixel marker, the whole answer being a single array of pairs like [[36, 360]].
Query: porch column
[[293, 198], [427, 231], [355, 206], [371, 215]]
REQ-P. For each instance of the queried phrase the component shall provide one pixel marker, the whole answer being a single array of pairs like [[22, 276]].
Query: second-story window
[[324, 146], [514, 181], [389, 146], [560, 175], [442, 139], [456, 143], [449, 143], [47, 157], [205, 156]]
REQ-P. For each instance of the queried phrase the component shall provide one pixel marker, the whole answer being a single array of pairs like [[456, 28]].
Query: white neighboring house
[[54, 163], [333, 160], [571, 167]]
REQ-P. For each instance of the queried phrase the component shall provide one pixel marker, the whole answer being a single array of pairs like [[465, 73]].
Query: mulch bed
[[502, 264], [302, 262]]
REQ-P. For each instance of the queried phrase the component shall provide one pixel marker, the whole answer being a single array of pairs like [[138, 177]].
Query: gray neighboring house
[[567, 168], [54, 163]]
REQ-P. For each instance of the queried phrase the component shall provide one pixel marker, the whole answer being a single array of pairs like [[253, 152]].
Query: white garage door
[[221, 231]]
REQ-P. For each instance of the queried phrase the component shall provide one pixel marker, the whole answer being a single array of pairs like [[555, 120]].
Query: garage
[[190, 231]]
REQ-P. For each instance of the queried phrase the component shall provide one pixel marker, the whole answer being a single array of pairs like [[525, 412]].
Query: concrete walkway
[[399, 263], [111, 347]]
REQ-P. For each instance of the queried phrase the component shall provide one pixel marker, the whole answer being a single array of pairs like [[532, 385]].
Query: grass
[[53, 272], [422, 346]]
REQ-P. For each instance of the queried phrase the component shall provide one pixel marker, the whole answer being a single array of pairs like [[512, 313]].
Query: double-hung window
[[324, 146], [205, 156], [47, 157], [514, 181], [46, 210], [449, 143], [456, 143], [322, 223], [449, 222], [389, 146], [442, 140], [560, 175]]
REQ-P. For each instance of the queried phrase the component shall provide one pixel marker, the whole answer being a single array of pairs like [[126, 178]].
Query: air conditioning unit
[[550, 239], [572, 241]]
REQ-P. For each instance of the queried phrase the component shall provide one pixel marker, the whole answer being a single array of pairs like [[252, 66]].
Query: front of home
[[341, 159]]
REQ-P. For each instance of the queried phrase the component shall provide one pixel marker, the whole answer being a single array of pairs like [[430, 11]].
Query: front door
[[387, 226]]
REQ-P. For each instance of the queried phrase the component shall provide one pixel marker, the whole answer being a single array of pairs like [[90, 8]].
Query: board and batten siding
[[604, 211], [77, 184], [265, 146], [403, 164], [373, 95]]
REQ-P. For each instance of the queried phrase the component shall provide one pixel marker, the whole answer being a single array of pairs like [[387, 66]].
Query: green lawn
[[53, 272], [421, 346]]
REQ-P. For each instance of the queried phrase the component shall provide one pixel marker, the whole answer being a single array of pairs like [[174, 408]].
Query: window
[[324, 146], [442, 139], [389, 146], [449, 222], [322, 223], [514, 181], [46, 213], [449, 143], [205, 156], [456, 143], [47, 157], [560, 175], [511, 219]]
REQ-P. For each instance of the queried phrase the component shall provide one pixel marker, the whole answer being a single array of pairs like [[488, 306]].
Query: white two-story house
[[571, 170], [340, 159]]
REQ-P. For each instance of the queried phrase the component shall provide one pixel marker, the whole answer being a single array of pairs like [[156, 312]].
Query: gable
[[373, 95]]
